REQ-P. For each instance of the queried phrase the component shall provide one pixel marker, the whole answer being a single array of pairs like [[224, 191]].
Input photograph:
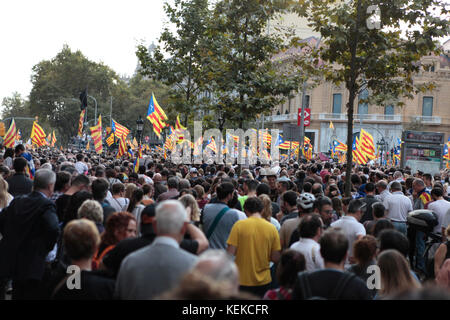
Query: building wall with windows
[[429, 111]]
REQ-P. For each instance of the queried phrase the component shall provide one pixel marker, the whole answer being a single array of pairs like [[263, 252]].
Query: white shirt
[[147, 179], [440, 207], [446, 220], [352, 229], [311, 251], [119, 204], [398, 205], [383, 195], [81, 167]]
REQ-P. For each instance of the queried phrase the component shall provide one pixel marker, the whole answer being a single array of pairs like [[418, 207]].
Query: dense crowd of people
[[75, 225]]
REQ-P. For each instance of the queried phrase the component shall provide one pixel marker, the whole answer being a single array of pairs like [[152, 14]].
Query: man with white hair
[[159, 267], [219, 267]]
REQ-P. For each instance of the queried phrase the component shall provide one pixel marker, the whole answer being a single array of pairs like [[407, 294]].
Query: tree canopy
[[363, 54]]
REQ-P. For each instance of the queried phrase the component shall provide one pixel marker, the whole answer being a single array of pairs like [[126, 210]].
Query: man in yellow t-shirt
[[254, 242]]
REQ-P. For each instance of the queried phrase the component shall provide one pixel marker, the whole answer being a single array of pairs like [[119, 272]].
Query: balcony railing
[[338, 116], [430, 120], [364, 117]]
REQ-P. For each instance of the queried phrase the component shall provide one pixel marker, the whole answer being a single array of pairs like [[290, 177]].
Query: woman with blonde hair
[[396, 277], [129, 189], [5, 197], [267, 211], [189, 201]]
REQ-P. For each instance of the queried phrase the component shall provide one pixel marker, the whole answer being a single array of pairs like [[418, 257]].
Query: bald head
[[157, 177]]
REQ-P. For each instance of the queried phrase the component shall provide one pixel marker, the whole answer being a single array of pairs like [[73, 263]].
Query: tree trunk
[[348, 171], [353, 89]]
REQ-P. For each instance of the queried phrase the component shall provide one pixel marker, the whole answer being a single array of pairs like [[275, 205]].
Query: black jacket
[[19, 184], [29, 226]]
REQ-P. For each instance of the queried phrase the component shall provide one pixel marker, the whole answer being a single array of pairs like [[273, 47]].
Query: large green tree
[[57, 84], [177, 60], [242, 77], [381, 58], [16, 107]]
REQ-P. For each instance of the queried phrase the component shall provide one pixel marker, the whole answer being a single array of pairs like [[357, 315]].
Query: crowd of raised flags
[[363, 147]]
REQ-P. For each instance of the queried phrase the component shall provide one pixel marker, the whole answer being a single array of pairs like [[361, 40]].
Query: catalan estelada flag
[[80, 123], [156, 115], [10, 136], [212, 145], [96, 134], [118, 129], [110, 139], [130, 153], [339, 146], [425, 197], [37, 135], [446, 154]]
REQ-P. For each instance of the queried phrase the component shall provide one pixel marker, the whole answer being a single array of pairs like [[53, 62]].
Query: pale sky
[[104, 30], [107, 31]]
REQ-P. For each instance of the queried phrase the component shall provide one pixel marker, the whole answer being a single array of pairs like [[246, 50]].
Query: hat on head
[[193, 170], [271, 172]]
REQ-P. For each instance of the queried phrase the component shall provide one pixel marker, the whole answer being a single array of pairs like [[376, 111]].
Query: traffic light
[[83, 99]]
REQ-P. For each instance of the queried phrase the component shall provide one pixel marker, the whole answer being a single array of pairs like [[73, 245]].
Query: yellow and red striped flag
[[10, 136], [37, 135], [135, 144], [53, 139], [366, 143], [358, 155], [122, 147], [156, 115], [80, 123], [96, 134]]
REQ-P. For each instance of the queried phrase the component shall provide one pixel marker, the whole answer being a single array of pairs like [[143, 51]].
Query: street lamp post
[[139, 128], [381, 143]]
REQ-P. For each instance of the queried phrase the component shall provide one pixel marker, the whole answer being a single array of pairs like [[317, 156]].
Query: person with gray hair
[[220, 267], [92, 210], [30, 229], [159, 267], [184, 184], [172, 193], [383, 191]]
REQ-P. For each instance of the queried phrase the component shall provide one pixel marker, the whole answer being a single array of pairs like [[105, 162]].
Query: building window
[[307, 100], [389, 110], [427, 107], [363, 108], [337, 101]]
